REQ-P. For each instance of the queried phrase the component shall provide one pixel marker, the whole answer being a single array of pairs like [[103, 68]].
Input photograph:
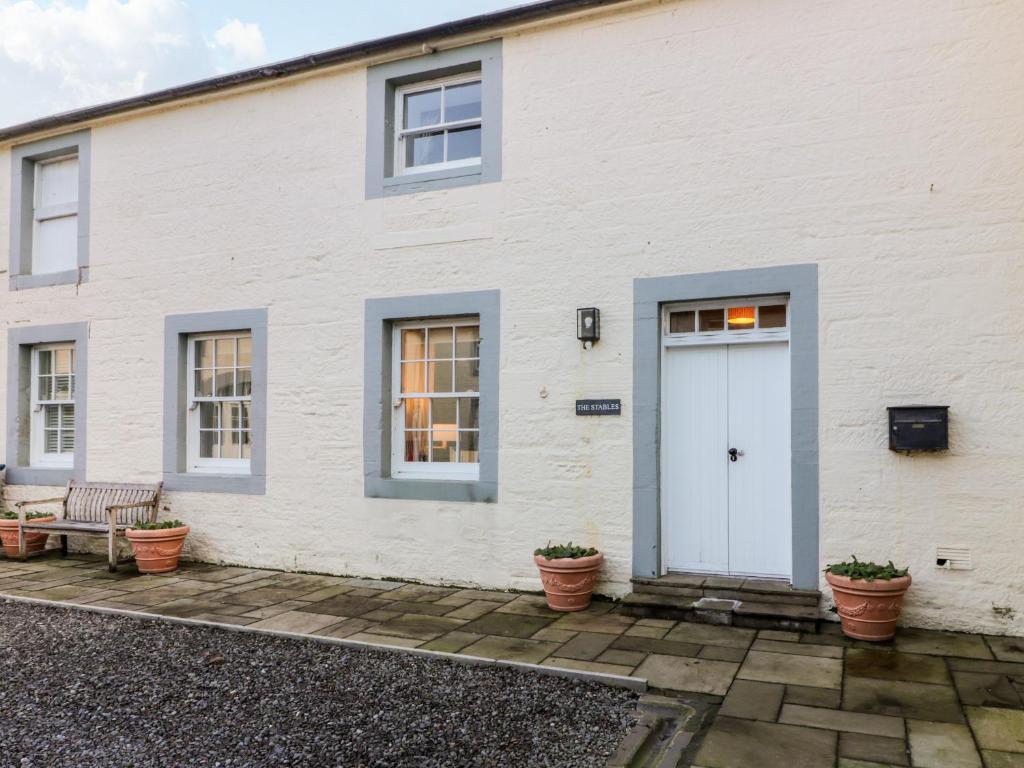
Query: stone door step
[[753, 603]]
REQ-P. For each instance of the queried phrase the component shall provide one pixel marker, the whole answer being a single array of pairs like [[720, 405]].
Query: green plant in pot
[[568, 573], [157, 545], [35, 541], [868, 597]]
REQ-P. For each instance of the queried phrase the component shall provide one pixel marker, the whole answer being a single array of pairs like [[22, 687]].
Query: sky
[[57, 55]]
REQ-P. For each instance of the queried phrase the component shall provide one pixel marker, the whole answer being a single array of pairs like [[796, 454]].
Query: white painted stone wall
[[883, 141]]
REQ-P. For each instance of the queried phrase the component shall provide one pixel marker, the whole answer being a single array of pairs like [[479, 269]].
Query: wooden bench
[[95, 509]]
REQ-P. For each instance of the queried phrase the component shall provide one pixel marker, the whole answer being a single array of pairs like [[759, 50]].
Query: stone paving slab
[[788, 699]]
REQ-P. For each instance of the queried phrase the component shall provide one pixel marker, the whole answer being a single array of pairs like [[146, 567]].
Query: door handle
[[734, 454]]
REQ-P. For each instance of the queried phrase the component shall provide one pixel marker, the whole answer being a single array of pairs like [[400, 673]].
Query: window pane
[[422, 108], [464, 143], [51, 440], [45, 361], [225, 353], [204, 383], [244, 382], [208, 415], [51, 416], [773, 316], [681, 322], [62, 357], [244, 410], [230, 447], [469, 447], [467, 375], [412, 344], [413, 377], [443, 445], [469, 413], [45, 388], [67, 417], [230, 416], [244, 351], [58, 181], [416, 446], [439, 343], [208, 447], [741, 318], [225, 382], [440, 377], [62, 387], [712, 320], [442, 413], [67, 441], [467, 341], [246, 438], [424, 150], [204, 354], [462, 102], [417, 411], [55, 245]]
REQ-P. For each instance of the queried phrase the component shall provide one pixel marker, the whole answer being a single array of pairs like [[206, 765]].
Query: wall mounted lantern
[[588, 325]]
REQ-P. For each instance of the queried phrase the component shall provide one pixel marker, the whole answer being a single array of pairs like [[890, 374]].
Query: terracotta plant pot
[[35, 541], [157, 551], [868, 610], [569, 581]]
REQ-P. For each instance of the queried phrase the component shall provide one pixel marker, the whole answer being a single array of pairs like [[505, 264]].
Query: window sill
[[46, 279], [209, 482], [39, 475], [441, 178], [430, 490]]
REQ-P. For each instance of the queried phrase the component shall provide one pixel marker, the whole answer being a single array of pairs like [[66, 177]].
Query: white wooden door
[[720, 515], [694, 442], [760, 531]]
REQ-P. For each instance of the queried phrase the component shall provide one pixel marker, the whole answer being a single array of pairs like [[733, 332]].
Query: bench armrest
[[136, 505], [20, 504]]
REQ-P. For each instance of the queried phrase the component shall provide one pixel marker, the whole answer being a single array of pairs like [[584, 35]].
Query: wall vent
[[953, 558]]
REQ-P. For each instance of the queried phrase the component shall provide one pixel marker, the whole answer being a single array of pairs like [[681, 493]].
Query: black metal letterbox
[[919, 428]]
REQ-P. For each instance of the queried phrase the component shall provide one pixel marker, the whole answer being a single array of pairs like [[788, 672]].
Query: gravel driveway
[[83, 689]]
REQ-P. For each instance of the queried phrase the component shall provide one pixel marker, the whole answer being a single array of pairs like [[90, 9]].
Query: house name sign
[[598, 407]]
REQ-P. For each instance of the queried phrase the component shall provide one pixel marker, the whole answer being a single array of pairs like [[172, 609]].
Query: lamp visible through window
[[741, 318]]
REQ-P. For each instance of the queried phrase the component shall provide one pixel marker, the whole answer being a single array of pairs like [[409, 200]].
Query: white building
[[331, 303]]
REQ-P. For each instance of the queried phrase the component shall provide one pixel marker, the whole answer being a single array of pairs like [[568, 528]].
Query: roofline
[[307, 63]]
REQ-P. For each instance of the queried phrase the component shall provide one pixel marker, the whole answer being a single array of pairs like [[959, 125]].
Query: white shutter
[[55, 230]]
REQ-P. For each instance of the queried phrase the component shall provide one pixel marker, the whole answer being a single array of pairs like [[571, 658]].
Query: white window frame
[[725, 336], [38, 458], [401, 134], [44, 213], [194, 462], [425, 470]]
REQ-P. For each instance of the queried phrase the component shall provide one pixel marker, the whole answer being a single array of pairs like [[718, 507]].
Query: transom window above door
[[436, 427], [740, 319], [438, 124]]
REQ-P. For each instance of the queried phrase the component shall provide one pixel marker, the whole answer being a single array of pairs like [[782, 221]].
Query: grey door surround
[[800, 283]]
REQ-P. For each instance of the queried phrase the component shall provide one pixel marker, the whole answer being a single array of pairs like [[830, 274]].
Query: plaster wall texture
[[881, 141]]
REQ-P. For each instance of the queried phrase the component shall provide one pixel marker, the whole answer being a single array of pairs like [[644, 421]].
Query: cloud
[[244, 41], [55, 56]]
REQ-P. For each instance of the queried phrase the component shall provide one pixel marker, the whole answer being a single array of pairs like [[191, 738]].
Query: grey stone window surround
[[381, 314], [383, 79], [177, 329], [23, 160], [20, 342], [800, 282]]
